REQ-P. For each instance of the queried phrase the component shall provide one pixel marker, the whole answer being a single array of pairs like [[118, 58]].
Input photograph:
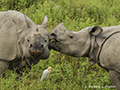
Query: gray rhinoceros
[[100, 44], [21, 41]]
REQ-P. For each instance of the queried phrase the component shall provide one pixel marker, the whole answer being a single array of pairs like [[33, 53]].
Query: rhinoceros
[[100, 44], [22, 42]]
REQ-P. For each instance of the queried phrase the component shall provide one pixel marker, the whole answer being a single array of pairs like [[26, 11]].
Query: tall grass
[[69, 73]]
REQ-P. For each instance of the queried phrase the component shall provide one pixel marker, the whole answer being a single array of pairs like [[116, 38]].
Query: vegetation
[[69, 73]]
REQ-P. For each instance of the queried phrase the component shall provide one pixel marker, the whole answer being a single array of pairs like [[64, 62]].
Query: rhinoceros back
[[8, 40]]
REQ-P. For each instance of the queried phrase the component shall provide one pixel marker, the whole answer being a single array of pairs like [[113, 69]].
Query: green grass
[[69, 73]]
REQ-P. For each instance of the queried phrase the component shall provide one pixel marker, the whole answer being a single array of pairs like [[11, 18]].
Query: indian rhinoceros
[[100, 44], [22, 42]]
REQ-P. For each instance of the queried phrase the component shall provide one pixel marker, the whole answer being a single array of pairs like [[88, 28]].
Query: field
[[69, 73]]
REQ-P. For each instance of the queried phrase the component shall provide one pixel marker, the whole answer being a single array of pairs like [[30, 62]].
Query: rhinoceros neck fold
[[93, 50], [100, 49], [96, 49]]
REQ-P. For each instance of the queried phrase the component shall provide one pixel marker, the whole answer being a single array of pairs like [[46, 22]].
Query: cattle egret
[[46, 73]]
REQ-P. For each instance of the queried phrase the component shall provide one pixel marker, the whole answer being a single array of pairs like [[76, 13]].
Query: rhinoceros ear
[[29, 22], [44, 24], [96, 30]]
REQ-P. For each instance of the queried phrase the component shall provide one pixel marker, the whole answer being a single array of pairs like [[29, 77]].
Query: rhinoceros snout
[[36, 50]]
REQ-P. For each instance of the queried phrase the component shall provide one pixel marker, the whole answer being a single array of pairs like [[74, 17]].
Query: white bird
[[46, 73]]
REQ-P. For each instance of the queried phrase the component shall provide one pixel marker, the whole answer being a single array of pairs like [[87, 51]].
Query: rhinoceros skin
[[22, 42], [100, 44]]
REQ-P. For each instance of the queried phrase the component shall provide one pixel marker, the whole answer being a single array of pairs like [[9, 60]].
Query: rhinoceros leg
[[3, 66], [115, 78]]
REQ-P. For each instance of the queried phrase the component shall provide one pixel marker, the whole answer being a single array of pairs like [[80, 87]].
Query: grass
[[69, 73]]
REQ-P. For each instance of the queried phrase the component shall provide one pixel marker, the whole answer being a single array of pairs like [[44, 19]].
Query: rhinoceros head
[[72, 43], [35, 40]]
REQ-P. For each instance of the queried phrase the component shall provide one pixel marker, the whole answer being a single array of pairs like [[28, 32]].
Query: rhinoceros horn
[[37, 31], [45, 21]]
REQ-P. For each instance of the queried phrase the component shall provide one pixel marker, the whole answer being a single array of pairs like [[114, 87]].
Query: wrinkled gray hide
[[21, 41], [100, 45]]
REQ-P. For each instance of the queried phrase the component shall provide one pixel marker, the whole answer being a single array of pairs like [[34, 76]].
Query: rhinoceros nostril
[[42, 46], [31, 45], [53, 34]]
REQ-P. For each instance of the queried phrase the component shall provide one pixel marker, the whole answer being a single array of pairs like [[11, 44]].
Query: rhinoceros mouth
[[54, 44], [53, 40], [36, 53]]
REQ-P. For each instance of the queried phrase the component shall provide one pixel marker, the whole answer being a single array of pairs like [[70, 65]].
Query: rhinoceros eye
[[71, 36], [28, 40], [45, 40]]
